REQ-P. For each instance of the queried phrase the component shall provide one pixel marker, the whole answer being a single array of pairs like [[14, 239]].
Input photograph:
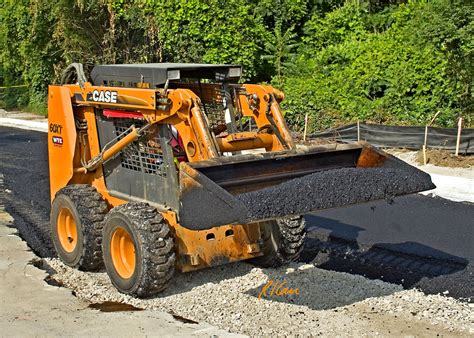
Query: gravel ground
[[328, 303]]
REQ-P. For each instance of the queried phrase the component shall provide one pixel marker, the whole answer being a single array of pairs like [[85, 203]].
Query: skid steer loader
[[157, 167]]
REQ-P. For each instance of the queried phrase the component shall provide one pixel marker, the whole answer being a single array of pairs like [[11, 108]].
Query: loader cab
[[156, 75], [216, 86], [226, 121], [147, 169]]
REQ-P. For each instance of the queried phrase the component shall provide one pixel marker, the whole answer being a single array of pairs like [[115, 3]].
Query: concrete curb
[[24, 124], [457, 189]]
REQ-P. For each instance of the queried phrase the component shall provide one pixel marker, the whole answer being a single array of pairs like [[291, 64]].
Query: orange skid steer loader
[[157, 167]]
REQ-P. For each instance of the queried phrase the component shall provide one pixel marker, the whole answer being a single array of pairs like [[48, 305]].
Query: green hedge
[[397, 67], [388, 61]]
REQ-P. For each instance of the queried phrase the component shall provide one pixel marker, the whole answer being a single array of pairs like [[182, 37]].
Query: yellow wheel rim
[[122, 251], [67, 230]]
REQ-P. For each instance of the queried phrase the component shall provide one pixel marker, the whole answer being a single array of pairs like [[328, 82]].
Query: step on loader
[[158, 167]]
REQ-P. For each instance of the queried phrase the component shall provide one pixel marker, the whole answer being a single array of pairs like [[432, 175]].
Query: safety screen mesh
[[212, 103], [144, 155]]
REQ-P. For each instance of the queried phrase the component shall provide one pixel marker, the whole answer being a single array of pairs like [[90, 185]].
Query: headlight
[[235, 72], [174, 74]]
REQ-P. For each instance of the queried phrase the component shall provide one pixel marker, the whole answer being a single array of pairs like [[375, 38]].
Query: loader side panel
[[61, 137], [145, 169]]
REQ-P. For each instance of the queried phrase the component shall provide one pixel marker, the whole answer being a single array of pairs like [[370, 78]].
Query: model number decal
[[58, 140], [55, 128], [104, 96]]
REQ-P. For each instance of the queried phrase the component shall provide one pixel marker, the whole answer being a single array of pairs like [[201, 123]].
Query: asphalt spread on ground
[[415, 241], [24, 166]]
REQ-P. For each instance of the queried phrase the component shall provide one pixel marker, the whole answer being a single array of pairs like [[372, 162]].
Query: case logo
[[104, 96]]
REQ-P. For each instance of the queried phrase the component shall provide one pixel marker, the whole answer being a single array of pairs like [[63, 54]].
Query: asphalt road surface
[[414, 240]]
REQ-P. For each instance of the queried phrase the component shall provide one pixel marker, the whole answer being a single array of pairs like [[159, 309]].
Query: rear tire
[[283, 241], [138, 250], [77, 215]]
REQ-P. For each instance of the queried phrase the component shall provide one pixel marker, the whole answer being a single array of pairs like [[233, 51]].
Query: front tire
[[138, 250], [283, 241], [77, 215]]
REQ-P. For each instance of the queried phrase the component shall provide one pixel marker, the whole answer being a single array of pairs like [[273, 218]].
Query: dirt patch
[[182, 319], [114, 307], [444, 158], [314, 141], [394, 151]]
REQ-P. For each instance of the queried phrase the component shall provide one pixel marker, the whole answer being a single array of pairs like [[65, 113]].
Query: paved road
[[415, 240], [416, 224]]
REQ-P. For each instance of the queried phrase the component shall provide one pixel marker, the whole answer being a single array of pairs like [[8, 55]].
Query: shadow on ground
[[410, 264]]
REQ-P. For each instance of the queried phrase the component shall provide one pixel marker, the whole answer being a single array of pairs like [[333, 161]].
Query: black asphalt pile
[[333, 188]]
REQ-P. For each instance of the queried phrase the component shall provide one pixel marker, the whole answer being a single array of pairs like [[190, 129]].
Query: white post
[[424, 144], [434, 118], [305, 126], [358, 131], [458, 140], [426, 136]]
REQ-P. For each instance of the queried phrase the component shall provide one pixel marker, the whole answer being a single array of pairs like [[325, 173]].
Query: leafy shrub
[[388, 61], [351, 70]]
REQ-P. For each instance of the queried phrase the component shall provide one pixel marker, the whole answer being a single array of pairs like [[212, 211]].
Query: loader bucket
[[256, 187]]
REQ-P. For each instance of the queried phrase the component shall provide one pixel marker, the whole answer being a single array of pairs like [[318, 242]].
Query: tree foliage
[[280, 48], [390, 61], [399, 66]]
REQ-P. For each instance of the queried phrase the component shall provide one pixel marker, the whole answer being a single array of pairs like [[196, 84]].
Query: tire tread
[[288, 239], [158, 256], [92, 210]]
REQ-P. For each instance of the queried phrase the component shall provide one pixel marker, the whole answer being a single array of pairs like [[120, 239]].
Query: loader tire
[[283, 241], [138, 250], [77, 215]]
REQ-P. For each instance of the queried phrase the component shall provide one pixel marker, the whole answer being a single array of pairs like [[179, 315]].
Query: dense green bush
[[210, 32], [388, 61], [400, 66]]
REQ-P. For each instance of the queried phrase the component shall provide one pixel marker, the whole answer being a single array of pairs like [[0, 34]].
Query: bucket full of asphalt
[[331, 189]]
